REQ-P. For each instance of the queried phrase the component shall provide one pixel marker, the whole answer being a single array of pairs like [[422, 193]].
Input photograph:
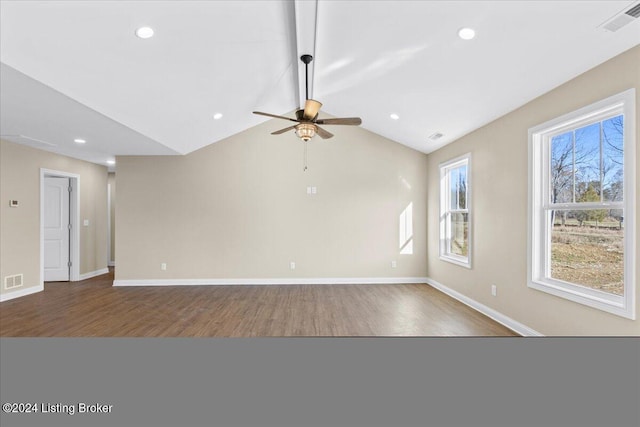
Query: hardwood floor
[[94, 307]]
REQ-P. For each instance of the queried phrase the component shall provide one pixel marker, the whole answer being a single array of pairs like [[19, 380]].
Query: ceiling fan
[[307, 118]]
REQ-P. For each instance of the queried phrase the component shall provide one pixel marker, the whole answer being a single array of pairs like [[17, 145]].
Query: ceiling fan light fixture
[[305, 131]]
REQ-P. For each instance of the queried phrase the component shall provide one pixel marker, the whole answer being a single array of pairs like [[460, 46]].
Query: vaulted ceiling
[[74, 69]]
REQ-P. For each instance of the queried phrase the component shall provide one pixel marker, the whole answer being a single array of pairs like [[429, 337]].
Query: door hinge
[[69, 226], [69, 264], [70, 189]]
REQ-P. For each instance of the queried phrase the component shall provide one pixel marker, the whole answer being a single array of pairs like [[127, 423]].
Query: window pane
[[462, 187], [613, 154], [453, 189], [459, 234], [562, 168], [588, 252], [587, 163]]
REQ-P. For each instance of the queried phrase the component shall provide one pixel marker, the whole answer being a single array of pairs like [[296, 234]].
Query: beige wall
[[112, 215], [499, 185], [20, 227], [239, 209]]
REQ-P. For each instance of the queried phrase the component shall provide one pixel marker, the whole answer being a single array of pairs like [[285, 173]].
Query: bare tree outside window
[[586, 166]]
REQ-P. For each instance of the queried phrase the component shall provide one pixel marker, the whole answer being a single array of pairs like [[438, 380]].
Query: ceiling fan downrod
[[306, 59]]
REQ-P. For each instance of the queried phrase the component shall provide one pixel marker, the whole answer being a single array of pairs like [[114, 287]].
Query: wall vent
[[622, 18], [14, 281]]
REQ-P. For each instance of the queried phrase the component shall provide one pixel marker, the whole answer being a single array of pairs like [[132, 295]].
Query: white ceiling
[[74, 69]]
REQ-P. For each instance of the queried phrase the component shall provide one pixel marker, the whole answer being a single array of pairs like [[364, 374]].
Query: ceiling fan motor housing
[[300, 115]]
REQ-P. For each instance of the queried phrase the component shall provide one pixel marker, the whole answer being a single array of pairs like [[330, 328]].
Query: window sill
[[456, 260], [614, 304]]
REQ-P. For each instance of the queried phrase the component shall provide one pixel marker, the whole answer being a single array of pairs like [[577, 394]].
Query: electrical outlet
[[163, 266], [292, 265], [394, 264], [314, 190], [494, 290]]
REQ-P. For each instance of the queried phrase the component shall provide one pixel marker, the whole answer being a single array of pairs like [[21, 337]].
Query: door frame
[[74, 220], [110, 262]]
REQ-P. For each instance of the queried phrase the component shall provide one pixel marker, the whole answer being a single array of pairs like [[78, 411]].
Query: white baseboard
[[276, 281], [510, 323], [89, 275], [21, 293], [111, 264]]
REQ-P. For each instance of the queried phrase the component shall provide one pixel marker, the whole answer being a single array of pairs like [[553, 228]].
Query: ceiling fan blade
[[354, 121], [278, 132], [311, 108], [323, 133], [274, 116]]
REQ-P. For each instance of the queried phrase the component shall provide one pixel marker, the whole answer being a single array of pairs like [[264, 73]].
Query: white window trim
[[625, 305], [465, 159]]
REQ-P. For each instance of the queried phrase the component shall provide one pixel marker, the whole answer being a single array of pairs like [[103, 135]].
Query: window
[[581, 205], [455, 205]]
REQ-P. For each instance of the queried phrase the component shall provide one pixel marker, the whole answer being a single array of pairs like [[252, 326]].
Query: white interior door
[[56, 229]]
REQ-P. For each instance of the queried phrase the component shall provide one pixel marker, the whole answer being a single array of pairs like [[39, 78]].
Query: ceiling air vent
[[435, 136], [634, 11], [622, 18]]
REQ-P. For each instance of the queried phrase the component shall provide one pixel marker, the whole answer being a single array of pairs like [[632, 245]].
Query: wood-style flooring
[[94, 308]]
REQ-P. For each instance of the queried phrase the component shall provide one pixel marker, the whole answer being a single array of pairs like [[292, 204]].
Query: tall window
[[582, 190], [455, 225]]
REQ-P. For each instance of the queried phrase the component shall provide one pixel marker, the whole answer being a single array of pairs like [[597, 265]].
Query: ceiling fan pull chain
[[305, 157]]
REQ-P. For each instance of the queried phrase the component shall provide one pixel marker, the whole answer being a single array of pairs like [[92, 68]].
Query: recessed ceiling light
[[394, 116], [79, 141], [466, 33], [217, 116], [111, 162], [144, 32]]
